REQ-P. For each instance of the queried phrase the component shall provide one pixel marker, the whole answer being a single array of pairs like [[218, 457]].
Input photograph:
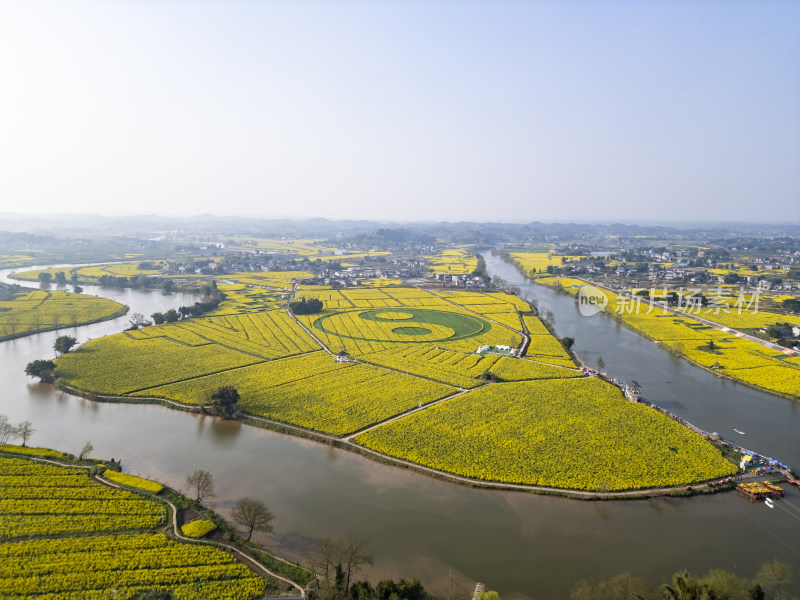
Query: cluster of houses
[[453, 280]]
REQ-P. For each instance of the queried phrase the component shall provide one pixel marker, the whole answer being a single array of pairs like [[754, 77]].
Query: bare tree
[[323, 556], [6, 429], [24, 430], [354, 556], [253, 516], [203, 482], [348, 555]]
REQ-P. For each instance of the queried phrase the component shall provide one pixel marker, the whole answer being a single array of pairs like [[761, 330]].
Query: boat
[[737, 431], [769, 502], [631, 390]]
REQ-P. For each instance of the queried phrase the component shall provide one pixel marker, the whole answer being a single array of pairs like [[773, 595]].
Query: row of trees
[[8, 431], [209, 302], [769, 584]]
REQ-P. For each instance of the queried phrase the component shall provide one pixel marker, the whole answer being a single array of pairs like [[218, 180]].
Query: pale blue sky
[[501, 111]]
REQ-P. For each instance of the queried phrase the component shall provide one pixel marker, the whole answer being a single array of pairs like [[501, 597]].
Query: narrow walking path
[[349, 437]]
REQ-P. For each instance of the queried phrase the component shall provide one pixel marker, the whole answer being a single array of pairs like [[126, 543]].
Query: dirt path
[[349, 437], [248, 560]]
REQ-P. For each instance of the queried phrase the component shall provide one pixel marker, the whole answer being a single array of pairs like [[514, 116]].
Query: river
[[520, 544]]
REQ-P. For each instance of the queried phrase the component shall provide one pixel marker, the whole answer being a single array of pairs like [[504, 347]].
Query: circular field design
[[411, 331], [394, 315], [420, 325]]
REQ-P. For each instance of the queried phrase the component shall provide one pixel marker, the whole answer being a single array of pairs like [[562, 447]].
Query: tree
[[725, 584], [773, 575], [354, 556], [791, 305], [24, 430], [683, 587], [203, 482], [77, 289], [601, 364], [225, 400], [61, 278], [138, 320], [171, 315], [45, 277], [253, 516], [64, 344], [340, 557], [305, 307], [6, 429], [87, 448], [158, 318], [567, 342], [43, 369]]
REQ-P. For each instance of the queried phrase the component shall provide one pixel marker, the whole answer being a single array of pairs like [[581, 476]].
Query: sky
[[505, 111]]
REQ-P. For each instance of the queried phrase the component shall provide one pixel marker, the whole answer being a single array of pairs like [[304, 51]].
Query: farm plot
[[457, 261], [499, 307], [47, 511], [89, 568], [574, 434], [331, 299], [536, 263], [118, 364], [314, 391], [242, 298], [346, 400], [41, 310], [463, 370], [163, 354], [39, 499]]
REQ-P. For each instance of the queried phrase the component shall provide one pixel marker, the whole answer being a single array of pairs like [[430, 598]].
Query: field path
[[248, 560], [349, 437]]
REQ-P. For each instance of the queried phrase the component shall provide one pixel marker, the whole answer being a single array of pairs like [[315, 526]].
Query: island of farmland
[[433, 379]]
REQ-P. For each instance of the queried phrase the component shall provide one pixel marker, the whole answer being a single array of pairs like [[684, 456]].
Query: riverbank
[[345, 443], [675, 352]]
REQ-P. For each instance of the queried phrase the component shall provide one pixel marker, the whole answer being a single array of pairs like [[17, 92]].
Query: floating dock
[[759, 490]]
